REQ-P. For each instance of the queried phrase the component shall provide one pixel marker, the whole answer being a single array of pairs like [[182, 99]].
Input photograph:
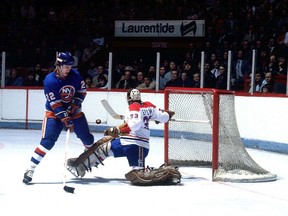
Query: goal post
[[207, 135]]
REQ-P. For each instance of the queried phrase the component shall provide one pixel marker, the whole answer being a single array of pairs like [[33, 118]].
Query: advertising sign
[[160, 28]]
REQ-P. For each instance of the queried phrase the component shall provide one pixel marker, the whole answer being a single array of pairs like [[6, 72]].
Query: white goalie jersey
[[137, 117]]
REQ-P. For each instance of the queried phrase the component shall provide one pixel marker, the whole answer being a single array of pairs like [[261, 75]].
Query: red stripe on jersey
[[40, 152]]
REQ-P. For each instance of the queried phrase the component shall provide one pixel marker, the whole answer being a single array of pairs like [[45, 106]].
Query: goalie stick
[[111, 111]]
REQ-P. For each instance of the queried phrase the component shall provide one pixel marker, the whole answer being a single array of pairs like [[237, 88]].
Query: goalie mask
[[133, 95]]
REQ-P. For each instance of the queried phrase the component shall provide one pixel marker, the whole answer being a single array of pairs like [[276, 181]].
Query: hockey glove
[[72, 109], [74, 105], [68, 123]]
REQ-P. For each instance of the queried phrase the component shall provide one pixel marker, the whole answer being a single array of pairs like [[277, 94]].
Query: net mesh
[[190, 142]]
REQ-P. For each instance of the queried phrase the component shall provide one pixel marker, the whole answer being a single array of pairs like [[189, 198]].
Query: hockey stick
[[66, 188], [111, 111]]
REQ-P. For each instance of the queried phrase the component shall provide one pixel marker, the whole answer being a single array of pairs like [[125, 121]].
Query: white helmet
[[133, 95]]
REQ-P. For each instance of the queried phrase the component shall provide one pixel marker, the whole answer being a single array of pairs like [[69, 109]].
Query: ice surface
[[105, 191]]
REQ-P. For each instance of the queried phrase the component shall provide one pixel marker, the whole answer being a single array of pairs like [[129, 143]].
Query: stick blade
[[69, 189], [111, 111]]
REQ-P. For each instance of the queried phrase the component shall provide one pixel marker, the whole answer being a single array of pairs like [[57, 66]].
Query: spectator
[[208, 48], [221, 80], [39, 74], [263, 61], [152, 72], [88, 81], [273, 64], [281, 36], [277, 87], [100, 72], [219, 42], [139, 78], [162, 79], [209, 78], [282, 66], [175, 80], [212, 58], [270, 19], [240, 68], [166, 65], [246, 50], [267, 88], [186, 82], [102, 82], [14, 78], [230, 24], [272, 47], [30, 79], [92, 70], [148, 83], [172, 67], [188, 69], [127, 82], [215, 70], [196, 80], [224, 59], [257, 82], [250, 35]]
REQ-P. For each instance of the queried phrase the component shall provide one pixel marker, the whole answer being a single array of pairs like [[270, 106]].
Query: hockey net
[[204, 132]]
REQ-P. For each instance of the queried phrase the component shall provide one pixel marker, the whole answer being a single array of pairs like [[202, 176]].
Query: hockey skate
[[28, 175], [78, 171]]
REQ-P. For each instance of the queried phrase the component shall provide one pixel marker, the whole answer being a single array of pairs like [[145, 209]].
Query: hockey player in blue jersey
[[65, 90]]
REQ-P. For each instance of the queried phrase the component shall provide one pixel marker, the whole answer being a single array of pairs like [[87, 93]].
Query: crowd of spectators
[[32, 31]]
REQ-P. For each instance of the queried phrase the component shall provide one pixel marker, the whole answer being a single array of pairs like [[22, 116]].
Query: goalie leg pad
[[96, 158], [78, 171], [164, 175]]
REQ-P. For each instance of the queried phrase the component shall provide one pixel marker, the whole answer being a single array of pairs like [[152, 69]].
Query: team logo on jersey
[[67, 92]]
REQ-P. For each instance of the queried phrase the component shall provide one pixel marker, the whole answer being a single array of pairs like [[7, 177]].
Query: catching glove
[[113, 131]]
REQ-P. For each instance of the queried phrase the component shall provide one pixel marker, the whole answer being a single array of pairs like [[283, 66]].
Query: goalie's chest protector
[[138, 117]]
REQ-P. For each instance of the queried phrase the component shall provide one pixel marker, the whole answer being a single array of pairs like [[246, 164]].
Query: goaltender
[[130, 140]]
